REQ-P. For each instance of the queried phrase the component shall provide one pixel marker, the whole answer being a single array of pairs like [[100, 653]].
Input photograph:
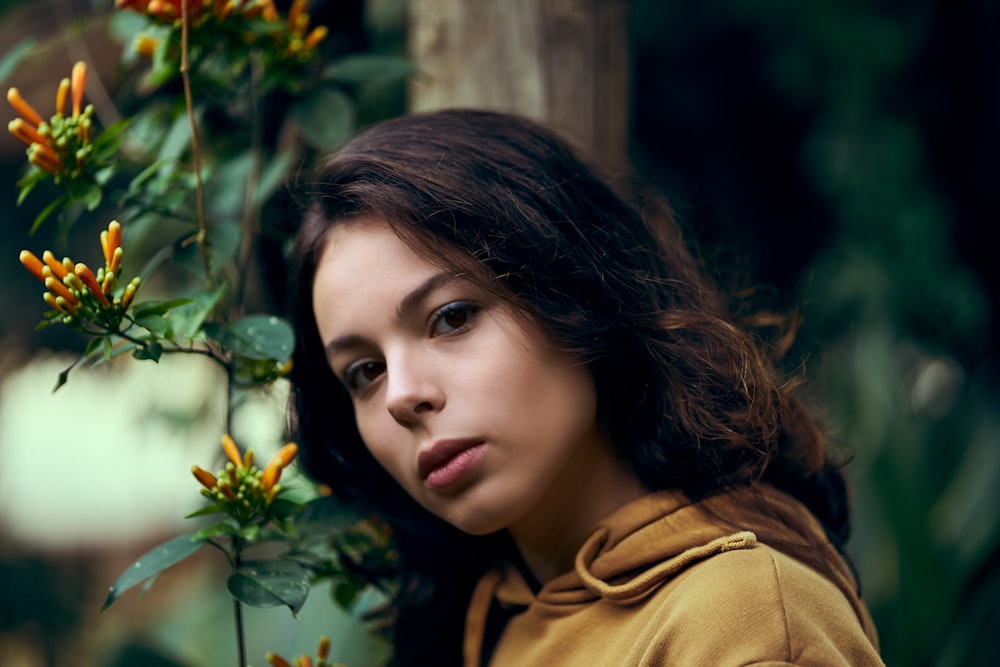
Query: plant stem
[[241, 648], [203, 242], [251, 214]]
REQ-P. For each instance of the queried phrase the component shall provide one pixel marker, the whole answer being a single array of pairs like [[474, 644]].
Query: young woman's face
[[478, 417]]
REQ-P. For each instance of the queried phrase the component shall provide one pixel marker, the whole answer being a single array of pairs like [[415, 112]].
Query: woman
[[583, 460]]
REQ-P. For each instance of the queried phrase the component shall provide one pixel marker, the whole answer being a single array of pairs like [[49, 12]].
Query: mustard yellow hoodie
[[664, 581]]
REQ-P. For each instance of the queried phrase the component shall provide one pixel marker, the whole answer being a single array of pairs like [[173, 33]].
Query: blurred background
[[840, 157]]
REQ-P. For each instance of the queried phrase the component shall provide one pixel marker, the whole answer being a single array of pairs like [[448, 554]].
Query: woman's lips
[[448, 461]]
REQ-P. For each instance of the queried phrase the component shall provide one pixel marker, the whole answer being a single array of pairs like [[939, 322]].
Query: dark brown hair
[[687, 398]]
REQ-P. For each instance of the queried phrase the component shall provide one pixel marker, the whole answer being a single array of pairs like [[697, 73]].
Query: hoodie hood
[[654, 539]]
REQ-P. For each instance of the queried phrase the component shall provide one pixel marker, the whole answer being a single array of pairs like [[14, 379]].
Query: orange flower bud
[[145, 46], [286, 454], [114, 236], [53, 302], [62, 94], [269, 11], [32, 263], [77, 84], [231, 450], [248, 459], [227, 490], [323, 652], [23, 109], [128, 295], [317, 35], [295, 10], [42, 156], [304, 661], [276, 660], [58, 268], [206, 478], [84, 273], [25, 132], [116, 260], [57, 288], [104, 247], [271, 475]]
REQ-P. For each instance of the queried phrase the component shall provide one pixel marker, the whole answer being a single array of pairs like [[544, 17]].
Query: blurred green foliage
[[845, 153]]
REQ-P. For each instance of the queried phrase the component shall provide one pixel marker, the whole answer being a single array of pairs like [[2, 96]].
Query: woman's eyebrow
[[410, 302], [406, 306]]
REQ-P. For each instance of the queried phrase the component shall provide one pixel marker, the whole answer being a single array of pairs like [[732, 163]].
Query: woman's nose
[[411, 390]]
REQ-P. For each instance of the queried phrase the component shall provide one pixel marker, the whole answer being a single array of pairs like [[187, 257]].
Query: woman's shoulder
[[756, 605]]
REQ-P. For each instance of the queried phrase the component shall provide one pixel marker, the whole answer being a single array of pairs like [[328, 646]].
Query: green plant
[[189, 173]]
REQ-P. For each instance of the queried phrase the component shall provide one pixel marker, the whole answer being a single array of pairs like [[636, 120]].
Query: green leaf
[[224, 527], [274, 173], [326, 515], [150, 351], [14, 56], [28, 183], [61, 200], [282, 508], [325, 118], [256, 337], [187, 319], [207, 510], [159, 307], [110, 140], [360, 69], [270, 584], [345, 593], [152, 563], [223, 241], [155, 324]]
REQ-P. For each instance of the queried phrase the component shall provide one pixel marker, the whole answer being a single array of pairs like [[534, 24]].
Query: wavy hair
[[688, 398]]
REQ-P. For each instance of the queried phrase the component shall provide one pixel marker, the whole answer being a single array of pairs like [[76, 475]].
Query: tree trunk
[[564, 62]]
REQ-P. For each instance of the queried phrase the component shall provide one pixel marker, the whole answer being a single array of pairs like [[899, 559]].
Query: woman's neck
[[549, 538]]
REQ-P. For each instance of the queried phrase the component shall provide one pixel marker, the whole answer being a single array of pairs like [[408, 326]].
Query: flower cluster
[[322, 657], [61, 146], [78, 294], [241, 489], [292, 36]]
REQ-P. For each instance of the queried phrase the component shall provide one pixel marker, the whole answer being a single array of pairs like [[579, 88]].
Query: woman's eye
[[359, 375], [452, 317]]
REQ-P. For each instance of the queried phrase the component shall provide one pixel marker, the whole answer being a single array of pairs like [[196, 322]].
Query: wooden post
[[564, 62]]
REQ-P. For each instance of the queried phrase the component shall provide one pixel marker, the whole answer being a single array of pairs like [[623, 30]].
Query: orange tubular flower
[[60, 290], [111, 241], [58, 269], [61, 146], [272, 473], [129, 293], [317, 35], [84, 273], [276, 660], [61, 96], [66, 281], [26, 133], [231, 450], [297, 9], [78, 82], [304, 661], [206, 478], [323, 652], [23, 109], [33, 264]]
